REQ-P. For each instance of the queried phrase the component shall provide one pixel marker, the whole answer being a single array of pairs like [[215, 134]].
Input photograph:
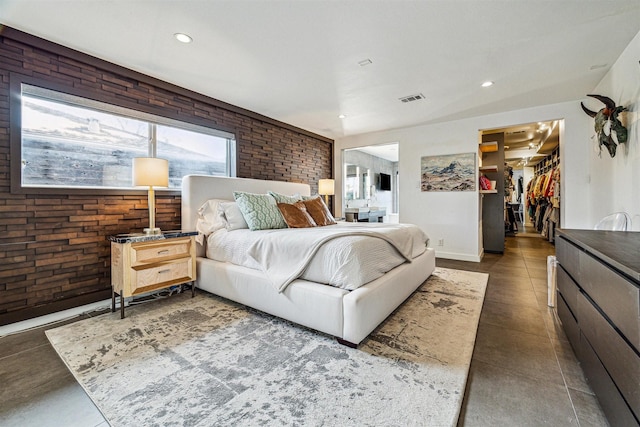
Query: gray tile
[[517, 352], [509, 270], [26, 375], [497, 397], [537, 272], [553, 325], [571, 368], [588, 409], [515, 317], [542, 297], [515, 295], [65, 405], [536, 262], [16, 343], [505, 280], [540, 284]]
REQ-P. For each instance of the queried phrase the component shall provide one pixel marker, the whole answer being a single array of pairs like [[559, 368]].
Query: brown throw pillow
[[319, 211], [296, 215]]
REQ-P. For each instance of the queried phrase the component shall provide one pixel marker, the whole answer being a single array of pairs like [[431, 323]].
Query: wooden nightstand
[[142, 263]]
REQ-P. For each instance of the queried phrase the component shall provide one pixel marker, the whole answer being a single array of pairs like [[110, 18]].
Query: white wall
[[615, 181]]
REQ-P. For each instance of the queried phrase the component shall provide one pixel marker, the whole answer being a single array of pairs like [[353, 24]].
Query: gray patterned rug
[[207, 361]]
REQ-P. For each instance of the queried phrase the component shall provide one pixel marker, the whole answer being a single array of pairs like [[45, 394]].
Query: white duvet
[[346, 255]]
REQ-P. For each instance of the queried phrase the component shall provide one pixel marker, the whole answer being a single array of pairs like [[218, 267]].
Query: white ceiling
[[298, 61]]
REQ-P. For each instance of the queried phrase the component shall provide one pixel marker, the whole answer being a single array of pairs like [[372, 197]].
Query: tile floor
[[523, 371]]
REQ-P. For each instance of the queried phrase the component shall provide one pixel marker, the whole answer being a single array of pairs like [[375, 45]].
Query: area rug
[[207, 361]]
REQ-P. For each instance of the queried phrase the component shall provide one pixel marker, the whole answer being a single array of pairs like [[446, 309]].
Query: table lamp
[[326, 188], [151, 171]]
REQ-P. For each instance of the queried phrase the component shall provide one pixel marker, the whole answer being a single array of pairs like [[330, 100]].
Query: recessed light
[[487, 84], [342, 116], [181, 37]]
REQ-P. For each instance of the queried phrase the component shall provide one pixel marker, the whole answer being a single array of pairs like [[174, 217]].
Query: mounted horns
[[608, 102]]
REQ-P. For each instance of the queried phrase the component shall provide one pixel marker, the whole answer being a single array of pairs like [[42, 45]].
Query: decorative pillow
[[281, 198], [310, 197], [260, 211], [319, 211], [296, 215], [209, 218], [232, 215]]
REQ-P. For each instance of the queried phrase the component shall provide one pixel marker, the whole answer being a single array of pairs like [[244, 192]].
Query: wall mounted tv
[[384, 182]]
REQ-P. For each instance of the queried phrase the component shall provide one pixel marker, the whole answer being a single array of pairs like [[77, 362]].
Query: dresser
[[598, 303], [143, 263]]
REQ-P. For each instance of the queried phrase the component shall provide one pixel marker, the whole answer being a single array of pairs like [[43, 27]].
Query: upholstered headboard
[[197, 189]]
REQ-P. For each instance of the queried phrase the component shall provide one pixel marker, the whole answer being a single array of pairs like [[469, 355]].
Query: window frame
[[164, 118]]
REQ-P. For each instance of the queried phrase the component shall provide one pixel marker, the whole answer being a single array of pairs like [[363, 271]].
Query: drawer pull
[[166, 251], [164, 271]]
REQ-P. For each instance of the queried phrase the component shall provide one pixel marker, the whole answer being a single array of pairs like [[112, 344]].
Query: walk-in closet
[[524, 170]]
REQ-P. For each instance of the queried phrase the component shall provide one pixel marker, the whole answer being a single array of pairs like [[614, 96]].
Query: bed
[[349, 315]]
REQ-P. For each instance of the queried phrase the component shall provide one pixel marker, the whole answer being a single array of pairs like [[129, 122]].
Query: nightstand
[[142, 263]]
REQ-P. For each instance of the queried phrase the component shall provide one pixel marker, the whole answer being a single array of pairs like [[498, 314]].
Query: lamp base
[[151, 231]]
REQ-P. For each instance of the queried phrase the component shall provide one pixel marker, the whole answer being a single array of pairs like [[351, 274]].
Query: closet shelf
[[489, 168], [489, 147], [488, 191]]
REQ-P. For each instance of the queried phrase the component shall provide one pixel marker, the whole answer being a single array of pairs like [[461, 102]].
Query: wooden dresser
[[598, 303], [143, 263]]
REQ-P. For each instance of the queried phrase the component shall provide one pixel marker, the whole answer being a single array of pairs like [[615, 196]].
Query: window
[[73, 142]]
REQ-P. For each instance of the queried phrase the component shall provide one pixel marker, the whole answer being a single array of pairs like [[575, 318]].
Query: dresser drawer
[[569, 324], [567, 255], [148, 252], [623, 364], [568, 288], [611, 401], [160, 275], [614, 294]]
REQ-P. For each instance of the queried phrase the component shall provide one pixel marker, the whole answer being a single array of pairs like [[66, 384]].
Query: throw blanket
[[283, 256]]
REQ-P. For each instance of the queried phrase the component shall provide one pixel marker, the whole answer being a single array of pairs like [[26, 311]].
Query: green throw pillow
[[281, 198], [259, 210]]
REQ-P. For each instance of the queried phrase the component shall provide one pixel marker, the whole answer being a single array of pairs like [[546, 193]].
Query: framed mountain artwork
[[450, 172]]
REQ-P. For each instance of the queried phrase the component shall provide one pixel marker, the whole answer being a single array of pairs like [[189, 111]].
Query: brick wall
[[53, 248]]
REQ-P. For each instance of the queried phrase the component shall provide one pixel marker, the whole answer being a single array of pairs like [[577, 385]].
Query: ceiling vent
[[412, 98]]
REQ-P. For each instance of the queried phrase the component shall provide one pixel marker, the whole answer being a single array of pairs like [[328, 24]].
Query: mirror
[[357, 182]]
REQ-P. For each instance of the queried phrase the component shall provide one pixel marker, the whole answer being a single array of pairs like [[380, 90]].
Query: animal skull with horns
[[607, 122]]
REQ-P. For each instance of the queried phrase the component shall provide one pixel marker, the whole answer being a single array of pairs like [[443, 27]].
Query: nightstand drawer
[[144, 279], [144, 253]]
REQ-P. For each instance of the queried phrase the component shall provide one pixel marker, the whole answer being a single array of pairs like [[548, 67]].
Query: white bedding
[[348, 261]]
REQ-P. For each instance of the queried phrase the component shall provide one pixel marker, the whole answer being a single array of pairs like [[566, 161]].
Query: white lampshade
[[326, 187], [150, 171]]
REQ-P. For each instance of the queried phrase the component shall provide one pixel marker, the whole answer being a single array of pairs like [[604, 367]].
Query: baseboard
[[458, 257], [58, 316]]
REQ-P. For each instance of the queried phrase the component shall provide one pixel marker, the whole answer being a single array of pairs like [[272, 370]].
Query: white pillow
[[209, 219], [232, 215]]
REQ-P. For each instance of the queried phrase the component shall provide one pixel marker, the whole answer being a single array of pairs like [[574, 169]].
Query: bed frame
[[348, 315]]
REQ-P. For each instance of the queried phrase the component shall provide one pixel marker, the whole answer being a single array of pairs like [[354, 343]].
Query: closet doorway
[[531, 178]]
